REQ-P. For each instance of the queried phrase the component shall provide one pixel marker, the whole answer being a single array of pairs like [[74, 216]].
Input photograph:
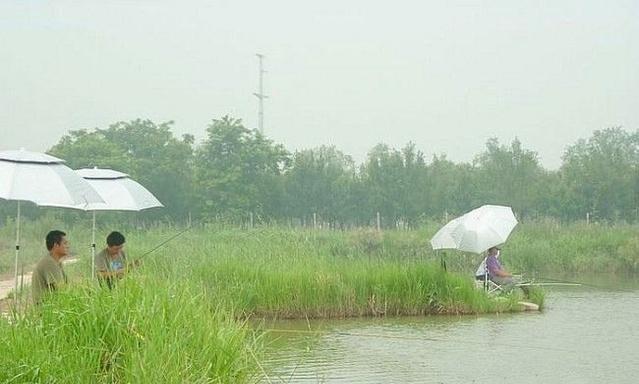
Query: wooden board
[[528, 306]]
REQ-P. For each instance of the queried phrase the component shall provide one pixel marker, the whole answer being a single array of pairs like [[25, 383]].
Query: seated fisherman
[[111, 262], [498, 274], [49, 275]]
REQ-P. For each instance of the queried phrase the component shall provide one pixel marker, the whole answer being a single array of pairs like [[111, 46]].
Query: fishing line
[[568, 282], [165, 241], [249, 234], [373, 335], [547, 283], [554, 280]]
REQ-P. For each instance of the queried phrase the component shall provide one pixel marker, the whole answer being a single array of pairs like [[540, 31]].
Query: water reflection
[[583, 336]]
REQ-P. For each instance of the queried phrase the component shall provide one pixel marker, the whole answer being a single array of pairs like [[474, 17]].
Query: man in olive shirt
[[111, 262], [48, 274]]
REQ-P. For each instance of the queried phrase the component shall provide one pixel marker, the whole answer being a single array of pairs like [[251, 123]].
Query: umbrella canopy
[[119, 193], [477, 230], [118, 190], [43, 180]]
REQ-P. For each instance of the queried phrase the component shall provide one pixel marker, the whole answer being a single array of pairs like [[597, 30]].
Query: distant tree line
[[237, 173]]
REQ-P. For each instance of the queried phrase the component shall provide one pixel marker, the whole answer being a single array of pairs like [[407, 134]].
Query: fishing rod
[[410, 338], [186, 230], [554, 281], [164, 242], [547, 283]]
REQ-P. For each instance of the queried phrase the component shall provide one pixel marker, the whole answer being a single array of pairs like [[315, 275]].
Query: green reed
[[181, 316], [293, 274], [147, 330]]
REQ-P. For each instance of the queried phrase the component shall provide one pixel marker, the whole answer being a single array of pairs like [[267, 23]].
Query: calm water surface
[[582, 336]]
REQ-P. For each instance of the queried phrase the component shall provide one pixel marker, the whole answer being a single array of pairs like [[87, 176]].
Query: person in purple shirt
[[496, 272]]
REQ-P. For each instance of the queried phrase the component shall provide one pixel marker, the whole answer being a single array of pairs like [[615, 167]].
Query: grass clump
[[145, 331], [303, 274]]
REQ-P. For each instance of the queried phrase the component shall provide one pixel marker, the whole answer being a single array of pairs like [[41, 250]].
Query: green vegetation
[[239, 175], [548, 248], [297, 274], [183, 315], [535, 247], [148, 330]]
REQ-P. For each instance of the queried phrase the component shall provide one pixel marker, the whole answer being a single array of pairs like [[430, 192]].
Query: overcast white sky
[[446, 75]]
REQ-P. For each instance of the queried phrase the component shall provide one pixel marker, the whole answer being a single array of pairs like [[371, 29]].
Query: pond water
[[582, 336]]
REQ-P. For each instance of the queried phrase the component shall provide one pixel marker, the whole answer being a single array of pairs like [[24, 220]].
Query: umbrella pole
[[93, 248], [15, 275], [21, 285], [442, 262]]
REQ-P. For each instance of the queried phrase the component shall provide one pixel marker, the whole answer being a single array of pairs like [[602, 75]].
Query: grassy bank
[[541, 247], [293, 274], [287, 273], [149, 330], [182, 316]]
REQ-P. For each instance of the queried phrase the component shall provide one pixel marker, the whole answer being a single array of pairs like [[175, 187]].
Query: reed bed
[[298, 274], [148, 330], [182, 316], [534, 247]]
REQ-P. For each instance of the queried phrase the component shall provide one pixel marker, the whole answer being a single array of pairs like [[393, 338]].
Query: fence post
[[379, 224]]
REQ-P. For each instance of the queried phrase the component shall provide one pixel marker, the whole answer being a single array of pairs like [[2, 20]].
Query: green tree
[[320, 181], [147, 152], [84, 149], [452, 188], [396, 183], [601, 175], [238, 171], [510, 175]]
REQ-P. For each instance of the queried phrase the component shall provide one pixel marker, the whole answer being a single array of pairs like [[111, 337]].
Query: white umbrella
[[43, 180], [477, 230], [119, 192]]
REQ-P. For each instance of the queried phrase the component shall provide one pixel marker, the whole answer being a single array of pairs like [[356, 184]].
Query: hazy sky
[[446, 75]]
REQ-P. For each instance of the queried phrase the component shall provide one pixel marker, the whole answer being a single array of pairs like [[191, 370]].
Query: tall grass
[[544, 247], [148, 330], [181, 316], [292, 274], [300, 273], [549, 248]]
